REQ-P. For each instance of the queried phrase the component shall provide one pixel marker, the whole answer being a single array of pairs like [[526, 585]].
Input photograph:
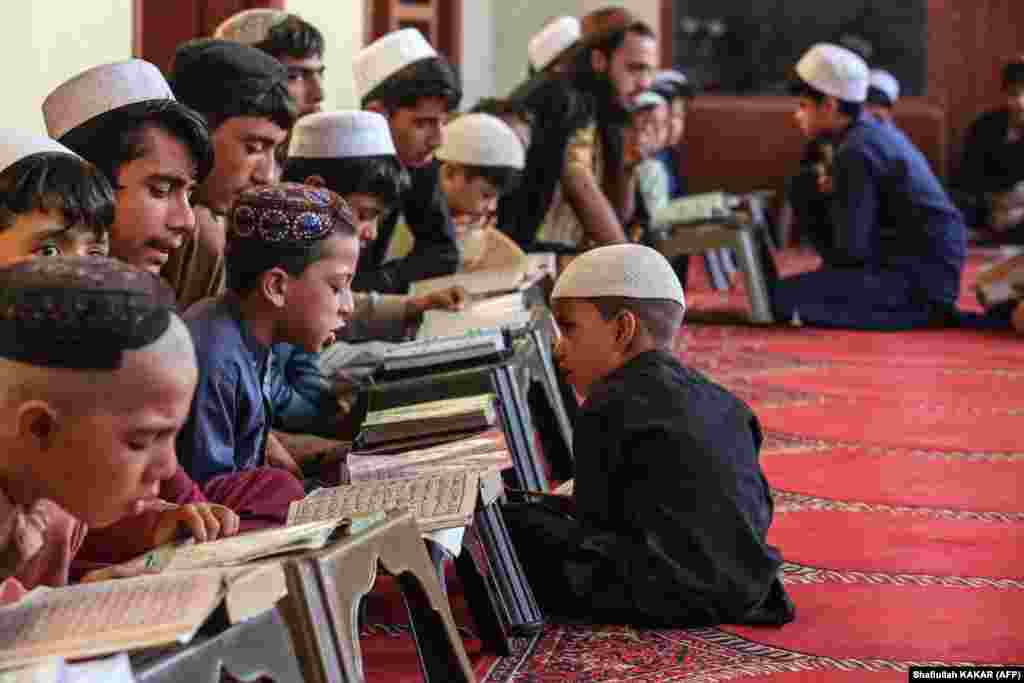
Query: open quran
[[508, 311], [94, 619], [477, 346], [696, 208], [439, 500], [481, 453], [430, 417], [242, 548]]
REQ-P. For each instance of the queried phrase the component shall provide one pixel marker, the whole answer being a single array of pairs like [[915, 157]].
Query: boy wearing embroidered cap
[[292, 41], [667, 521], [96, 377], [291, 256], [883, 92], [242, 92], [123, 118], [52, 202], [898, 244], [990, 180], [401, 77], [350, 153]]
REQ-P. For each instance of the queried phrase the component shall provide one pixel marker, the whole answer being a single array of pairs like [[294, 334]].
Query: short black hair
[[247, 260], [502, 107], [1013, 74], [801, 88], [118, 136], [430, 77], [661, 318], [381, 176], [56, 181], [276, 104], [505, 179], [877, 97], [293, 37]]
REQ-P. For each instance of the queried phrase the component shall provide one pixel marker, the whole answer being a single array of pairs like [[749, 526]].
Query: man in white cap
[[123, 118], [292, 41], [352, 154], [401, 77], [667, 521], [883, 92], [551, 47], [52, 202], [898, 243], [242, 93]]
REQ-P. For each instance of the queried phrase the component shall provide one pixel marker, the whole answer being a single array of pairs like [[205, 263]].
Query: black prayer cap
[[290, 214], [80, 313], [211, 75]]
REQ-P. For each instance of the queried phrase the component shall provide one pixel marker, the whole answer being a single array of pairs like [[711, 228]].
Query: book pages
[[489, 281], [439, 501], [94, 619], [241, 548], [480, 452]]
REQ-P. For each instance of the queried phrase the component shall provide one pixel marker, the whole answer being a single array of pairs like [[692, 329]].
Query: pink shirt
[[39, 542]]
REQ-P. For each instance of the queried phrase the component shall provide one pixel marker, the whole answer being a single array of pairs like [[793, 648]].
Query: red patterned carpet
[[897, 462]]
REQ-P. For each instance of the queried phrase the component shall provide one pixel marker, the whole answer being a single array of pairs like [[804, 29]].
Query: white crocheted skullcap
[[341, 134], [835, 71], [388, 55], [102, 89], [481, 140], [15, 145], [551, 41], [250, 26], [632, 271]]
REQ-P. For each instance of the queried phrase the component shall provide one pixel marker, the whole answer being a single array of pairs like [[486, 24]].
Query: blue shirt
[[300, 397], [231, 413], [889, 211], [676, 182]]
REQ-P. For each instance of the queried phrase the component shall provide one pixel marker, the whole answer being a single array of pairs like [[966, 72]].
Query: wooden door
[[160, 26]]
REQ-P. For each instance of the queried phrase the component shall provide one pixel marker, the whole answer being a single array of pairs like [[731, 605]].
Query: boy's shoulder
[[215, 328]]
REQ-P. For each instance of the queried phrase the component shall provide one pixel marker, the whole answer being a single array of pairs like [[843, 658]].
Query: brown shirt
[[196, 271]]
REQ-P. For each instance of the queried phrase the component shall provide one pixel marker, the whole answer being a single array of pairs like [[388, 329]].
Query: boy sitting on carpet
[[667, 522], [291, 256]]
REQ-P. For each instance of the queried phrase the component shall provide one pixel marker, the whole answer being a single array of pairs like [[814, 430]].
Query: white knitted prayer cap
[[249, 26], [341, 134], [387, 55], [551, 41], [670, 76], [835, 71], [102, 89], [481, 140], [622, 270], [646, 100], [15, 145], [886, 83]]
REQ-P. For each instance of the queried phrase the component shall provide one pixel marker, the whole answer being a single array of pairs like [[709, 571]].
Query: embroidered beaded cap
[[80, 313], [289, 213]]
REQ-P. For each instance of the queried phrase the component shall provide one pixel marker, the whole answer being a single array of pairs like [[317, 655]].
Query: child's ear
[[37, 422], [598, 61], [274, 286], [627, 328], [315, 181]]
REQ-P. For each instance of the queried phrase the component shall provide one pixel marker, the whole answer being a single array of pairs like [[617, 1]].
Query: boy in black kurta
[[670, 509]]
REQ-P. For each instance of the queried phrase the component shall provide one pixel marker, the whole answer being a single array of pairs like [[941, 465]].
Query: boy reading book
[[291, 255], [350, 153], [667, 522], [96, 378], [52, 202]]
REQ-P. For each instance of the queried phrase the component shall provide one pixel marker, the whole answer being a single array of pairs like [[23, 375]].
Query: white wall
[[43, 43], [341, 22]]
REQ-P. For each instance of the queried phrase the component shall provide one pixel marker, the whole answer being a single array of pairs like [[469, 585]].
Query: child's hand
[[278, 456], [452, 299], [205, 522]]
